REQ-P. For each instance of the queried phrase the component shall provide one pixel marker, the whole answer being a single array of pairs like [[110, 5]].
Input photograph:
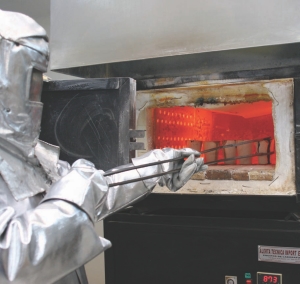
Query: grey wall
[[40, 11]]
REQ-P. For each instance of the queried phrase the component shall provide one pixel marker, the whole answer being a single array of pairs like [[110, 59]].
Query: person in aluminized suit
[[47, 207]]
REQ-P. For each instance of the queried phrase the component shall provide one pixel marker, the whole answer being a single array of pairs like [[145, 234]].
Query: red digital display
[[268, 278]]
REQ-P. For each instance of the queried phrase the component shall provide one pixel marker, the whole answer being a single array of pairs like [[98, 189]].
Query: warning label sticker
[[279, 254]]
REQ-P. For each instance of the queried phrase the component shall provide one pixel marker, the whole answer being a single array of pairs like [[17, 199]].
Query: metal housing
[[129, 38]]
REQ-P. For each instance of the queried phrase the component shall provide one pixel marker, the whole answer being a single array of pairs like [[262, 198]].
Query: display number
[[268, 278]]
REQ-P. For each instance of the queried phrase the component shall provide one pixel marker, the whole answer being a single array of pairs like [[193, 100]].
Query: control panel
[[261, 278]]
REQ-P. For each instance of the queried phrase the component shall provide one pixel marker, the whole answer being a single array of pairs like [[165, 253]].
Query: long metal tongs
[[111, 172]]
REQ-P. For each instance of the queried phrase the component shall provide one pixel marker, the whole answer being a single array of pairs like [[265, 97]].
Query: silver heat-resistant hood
[[161, 38]]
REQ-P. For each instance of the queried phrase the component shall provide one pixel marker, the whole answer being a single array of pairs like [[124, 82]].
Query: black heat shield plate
[[89, 119]]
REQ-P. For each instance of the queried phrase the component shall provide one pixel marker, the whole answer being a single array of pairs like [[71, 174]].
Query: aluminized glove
[[173, 181]]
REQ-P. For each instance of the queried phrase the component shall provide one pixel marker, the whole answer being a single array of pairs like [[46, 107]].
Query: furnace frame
[[279, 91]]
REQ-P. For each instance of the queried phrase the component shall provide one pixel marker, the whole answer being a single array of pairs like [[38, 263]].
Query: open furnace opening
[[253, 120]]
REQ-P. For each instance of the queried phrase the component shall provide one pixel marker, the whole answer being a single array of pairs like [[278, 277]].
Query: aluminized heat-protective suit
[[47, 207]]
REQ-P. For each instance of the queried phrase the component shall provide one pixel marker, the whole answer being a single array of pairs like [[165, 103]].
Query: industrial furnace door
[[90, 119]]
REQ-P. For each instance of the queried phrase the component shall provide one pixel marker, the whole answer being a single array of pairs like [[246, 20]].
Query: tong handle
[[112, 172], [143, 178]]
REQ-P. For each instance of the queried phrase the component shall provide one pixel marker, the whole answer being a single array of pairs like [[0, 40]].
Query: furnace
[[208, 75], [249, 120]]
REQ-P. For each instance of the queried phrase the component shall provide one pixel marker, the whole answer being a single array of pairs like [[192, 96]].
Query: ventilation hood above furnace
[[159, 39]]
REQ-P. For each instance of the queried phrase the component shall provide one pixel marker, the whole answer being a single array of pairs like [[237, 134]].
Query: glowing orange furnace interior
[[204, 128]]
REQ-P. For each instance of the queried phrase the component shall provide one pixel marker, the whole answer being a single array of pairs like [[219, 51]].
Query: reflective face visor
[[36, 86]]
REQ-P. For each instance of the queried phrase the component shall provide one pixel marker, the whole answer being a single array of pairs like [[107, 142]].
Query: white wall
[[40, 11]]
